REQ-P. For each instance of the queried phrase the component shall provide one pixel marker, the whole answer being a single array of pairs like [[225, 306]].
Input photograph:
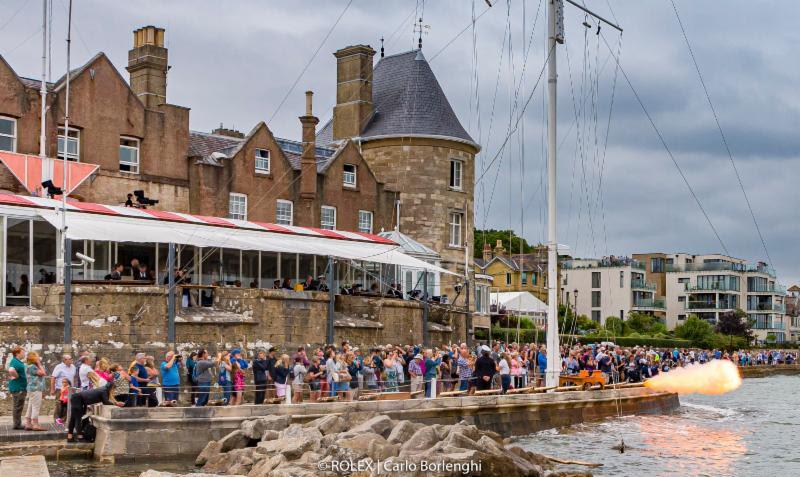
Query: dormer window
[[262, 161], [349, 175]]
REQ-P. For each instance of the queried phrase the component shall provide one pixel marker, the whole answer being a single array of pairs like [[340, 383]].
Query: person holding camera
[[171, 377]]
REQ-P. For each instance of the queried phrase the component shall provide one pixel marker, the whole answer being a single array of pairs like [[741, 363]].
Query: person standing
[[17, 385], [431, 370], [170, 377], [202, 372], [190, 377], [63, 370], [484, 369], [84, 370], [415, 373], [260, 372], [35, 376], [504, 368]]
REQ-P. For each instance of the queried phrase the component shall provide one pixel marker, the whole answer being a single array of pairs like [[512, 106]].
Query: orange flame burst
[[715, 377]]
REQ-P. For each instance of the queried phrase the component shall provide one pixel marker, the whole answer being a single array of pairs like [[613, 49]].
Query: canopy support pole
[[426, 337], [331, 297], [171, 294], [67, 296]]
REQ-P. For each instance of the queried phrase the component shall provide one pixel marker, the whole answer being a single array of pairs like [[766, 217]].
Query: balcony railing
[[652, 303], [604, 263], [704, 305], [712, 287], [776, 289], [772, 307], [639, 284], [769, 326], [720, 266]]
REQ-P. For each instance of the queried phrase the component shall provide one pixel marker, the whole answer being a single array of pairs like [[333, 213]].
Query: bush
[[525, 336], [628, 341]]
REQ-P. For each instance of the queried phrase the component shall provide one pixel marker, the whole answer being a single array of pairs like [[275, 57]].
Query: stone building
[[407, 132], [141, 142]]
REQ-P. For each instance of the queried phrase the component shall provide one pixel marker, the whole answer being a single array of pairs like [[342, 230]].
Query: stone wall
[[124, 434]]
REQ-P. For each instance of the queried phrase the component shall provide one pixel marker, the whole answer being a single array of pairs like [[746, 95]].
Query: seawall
[[147, 433], [769, 370]]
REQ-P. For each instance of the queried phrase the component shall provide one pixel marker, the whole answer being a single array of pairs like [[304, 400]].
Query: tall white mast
[[65, 188], [43, 87], [555, 34]]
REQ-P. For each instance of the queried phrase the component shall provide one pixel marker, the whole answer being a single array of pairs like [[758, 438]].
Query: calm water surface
[[753, 431]]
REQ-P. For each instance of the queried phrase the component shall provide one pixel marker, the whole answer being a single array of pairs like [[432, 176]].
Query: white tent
[[520, 303]]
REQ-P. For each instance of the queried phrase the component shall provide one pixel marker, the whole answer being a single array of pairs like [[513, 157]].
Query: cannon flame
[[715, 377]]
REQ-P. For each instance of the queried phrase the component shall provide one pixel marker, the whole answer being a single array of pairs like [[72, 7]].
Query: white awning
[[85, 226]]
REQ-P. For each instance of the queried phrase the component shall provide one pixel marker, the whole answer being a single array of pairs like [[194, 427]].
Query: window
[[685, 281], [328, 218], [129, 155], [69, 145], [349, 175], [595, 299], [455, 228], [8, 134], [262, 161], [456, 168], [622, 315], [682, 299], [596, 316], [621, 279], [524, 278], [681, 317], [657, 265], [365, 221], [284, 212], [595, 279], [237, 206]]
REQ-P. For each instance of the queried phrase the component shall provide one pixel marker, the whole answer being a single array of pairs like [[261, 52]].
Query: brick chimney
[[147, 65], [499, 250], [223, 131], [353, 90], [308, 160], [487, 252]]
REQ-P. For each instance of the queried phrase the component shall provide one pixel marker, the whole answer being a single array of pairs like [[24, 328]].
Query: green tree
[[735, 324], [615, 326], [491, 236], [698, 331]]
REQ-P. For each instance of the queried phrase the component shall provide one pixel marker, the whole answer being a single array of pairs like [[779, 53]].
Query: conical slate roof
[[408, 100]]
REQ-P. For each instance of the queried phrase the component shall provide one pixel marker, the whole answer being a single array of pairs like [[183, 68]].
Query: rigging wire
[[14, 15], [721, 133], [666, 147], [311, 60], [458, 35]]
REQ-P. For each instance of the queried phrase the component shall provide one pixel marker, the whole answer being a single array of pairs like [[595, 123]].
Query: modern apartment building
[[709, 285], [615, 286]]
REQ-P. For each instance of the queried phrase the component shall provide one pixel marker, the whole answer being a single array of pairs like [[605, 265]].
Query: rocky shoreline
[[365, 445]]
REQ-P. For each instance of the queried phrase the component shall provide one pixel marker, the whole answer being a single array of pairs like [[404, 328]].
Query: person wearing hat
[[484, 369], [415, 372]]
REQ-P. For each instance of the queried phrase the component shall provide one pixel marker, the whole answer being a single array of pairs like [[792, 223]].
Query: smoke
[[715, 377]]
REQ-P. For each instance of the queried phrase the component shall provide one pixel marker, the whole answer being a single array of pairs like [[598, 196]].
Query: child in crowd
[[61, 403], [238, 383]]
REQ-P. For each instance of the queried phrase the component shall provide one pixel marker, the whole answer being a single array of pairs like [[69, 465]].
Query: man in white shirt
[[63, 370]]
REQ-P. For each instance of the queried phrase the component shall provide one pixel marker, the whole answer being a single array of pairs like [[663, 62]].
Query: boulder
[[380, 451], [380, 424], [355, 418], [270, 435], [290, 469], [211, 449], [532, 457], [330, 424], [221, 463], [234, 440], [298, 430], [254, 428], [421, 441], [402, 432], [156, 473], [290, 447], [263, 467], [360, 443]]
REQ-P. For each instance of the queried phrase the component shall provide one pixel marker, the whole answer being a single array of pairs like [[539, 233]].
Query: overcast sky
[[233, 63]]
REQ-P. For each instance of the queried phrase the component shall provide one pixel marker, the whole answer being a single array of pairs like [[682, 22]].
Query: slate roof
[[411, 246], [513, 264], [407, 100], [202, 145]]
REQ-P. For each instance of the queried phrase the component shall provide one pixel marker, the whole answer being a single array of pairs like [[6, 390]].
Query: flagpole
[[65, 184]]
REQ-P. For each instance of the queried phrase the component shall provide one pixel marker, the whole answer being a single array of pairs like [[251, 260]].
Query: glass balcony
[[650, 303], [770, 307], [642, 285], [713, 287], [704, 305], [720, 266], [776, 289], [603, 263]]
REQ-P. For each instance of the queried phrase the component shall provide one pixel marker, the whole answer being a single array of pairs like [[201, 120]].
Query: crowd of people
[[323, 373]]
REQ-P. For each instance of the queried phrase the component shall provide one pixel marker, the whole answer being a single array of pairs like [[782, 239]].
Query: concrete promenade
[[27, 466], [128, 434]]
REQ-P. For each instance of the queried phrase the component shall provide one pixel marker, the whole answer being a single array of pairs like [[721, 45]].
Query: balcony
[[649, 304], [579, 264], [720, 266], [768, 307], [705, 305], [713, 287], [638, 284], [768, 326], [771, 289]]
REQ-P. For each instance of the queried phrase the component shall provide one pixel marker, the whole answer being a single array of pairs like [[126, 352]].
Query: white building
[[600, 288], [709, 285], [411, 278]]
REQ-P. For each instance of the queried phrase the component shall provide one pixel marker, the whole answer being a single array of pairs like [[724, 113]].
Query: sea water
[[753, 431]]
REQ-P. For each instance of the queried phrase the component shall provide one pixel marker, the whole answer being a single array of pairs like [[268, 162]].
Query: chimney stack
[[499, 250], [308, 159], [487, 252], [353, 90], [147, 65]]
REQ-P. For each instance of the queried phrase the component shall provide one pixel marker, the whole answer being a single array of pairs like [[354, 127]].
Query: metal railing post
[[67, 295], [331, 297], [171, 295]]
